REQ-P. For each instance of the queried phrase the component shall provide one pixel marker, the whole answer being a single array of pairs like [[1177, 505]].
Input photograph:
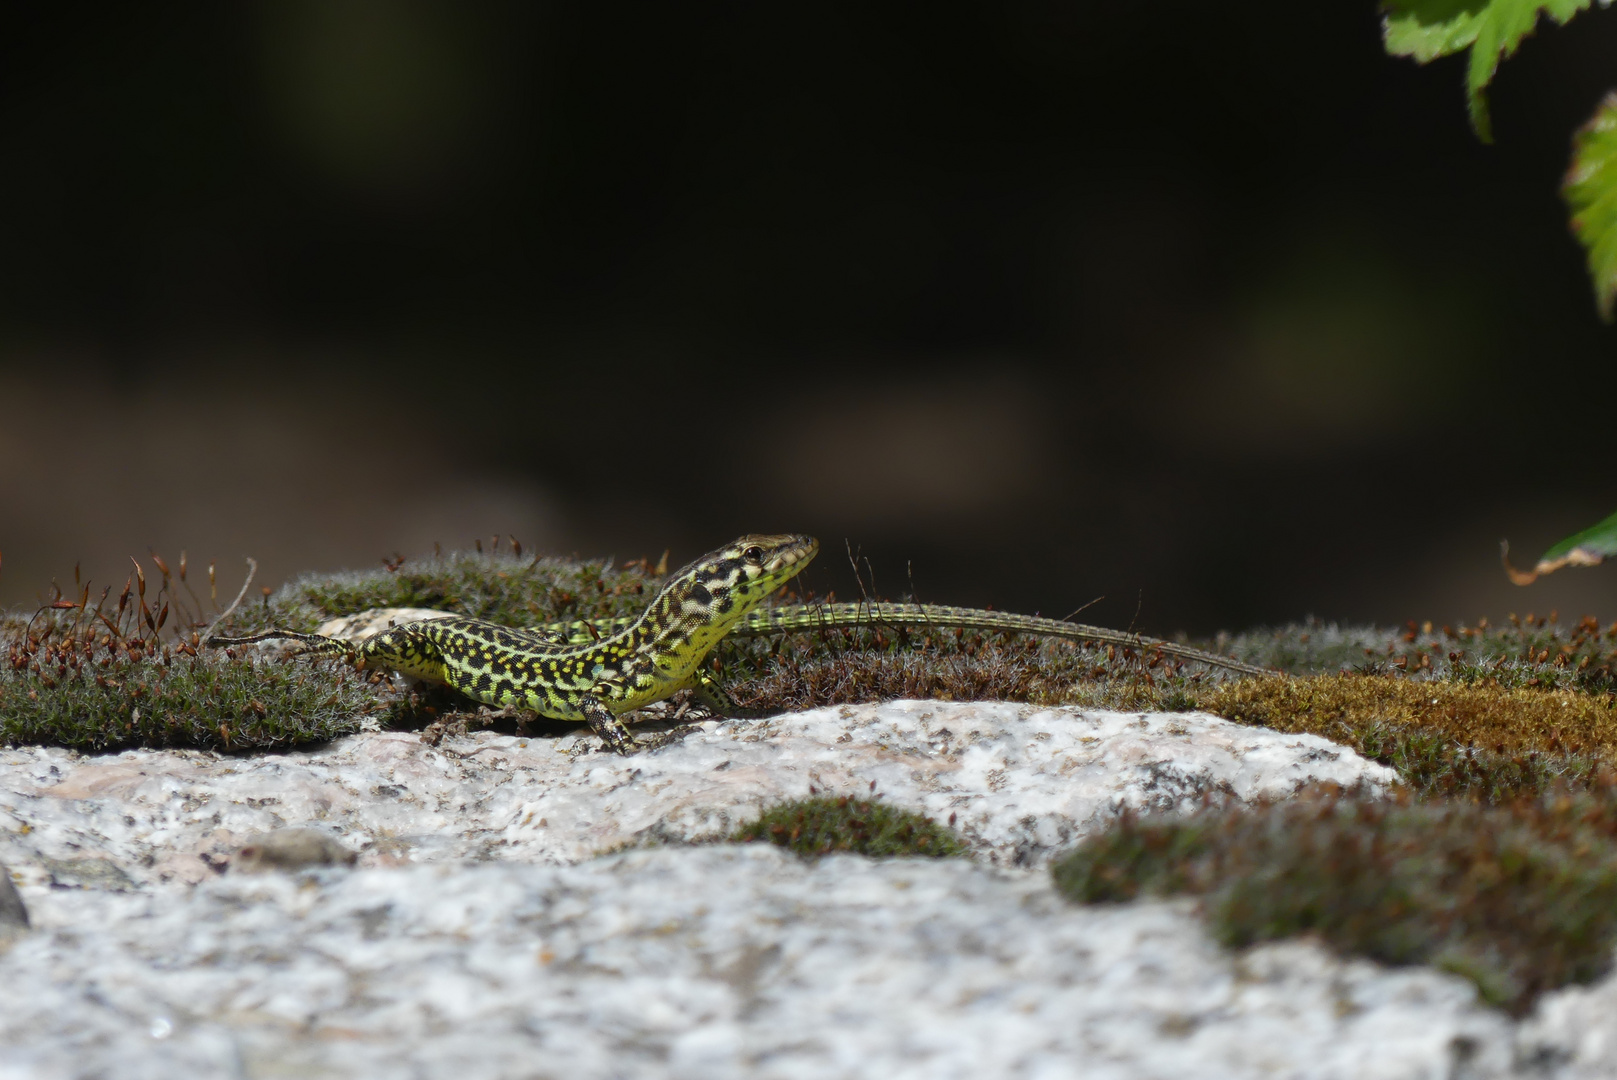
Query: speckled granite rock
[[1020, 782], [481, 937], [1573, 1033], [705, 963], [13, 912]]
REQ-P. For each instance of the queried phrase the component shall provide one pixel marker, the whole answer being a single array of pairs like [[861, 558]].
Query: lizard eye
[[753, 554]]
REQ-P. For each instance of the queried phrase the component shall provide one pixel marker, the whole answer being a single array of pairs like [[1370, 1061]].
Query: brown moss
[[1506, 721], [1520, 899], [805, 671]]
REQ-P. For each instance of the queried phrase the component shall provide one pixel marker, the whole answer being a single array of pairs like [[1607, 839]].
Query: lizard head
[[724, 585]]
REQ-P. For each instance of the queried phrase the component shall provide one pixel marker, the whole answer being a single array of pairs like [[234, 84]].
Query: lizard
[[648, 659], [595, 672]]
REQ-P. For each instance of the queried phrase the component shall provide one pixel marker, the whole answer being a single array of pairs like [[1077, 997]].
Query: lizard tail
[[313, 644]]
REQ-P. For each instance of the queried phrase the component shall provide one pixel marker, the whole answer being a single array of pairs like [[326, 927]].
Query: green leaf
[[1491, 29], [1590, 191], [1427, 30], [1587, 548]]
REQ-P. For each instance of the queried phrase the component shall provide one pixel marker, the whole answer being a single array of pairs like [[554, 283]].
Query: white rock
[[480, 938], [1573, 1032], [1020, 782], [13, 912], [705, 963]]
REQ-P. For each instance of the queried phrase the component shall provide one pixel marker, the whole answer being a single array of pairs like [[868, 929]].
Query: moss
[[822, 825], [86, 675], [1479, 740], [500, 587], [1519, 899], [104, 693], [848, 666], [1530, 651]]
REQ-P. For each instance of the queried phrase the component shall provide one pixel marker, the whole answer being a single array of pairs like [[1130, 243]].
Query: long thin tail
[[313, 644], [812, 616]]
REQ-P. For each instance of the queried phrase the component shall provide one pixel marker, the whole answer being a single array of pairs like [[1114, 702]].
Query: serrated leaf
[[1492, 29], [1427, 29], [1590, 191], [1590, 547]]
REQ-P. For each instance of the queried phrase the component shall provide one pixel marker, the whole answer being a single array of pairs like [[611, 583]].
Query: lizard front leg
[[607, 726]]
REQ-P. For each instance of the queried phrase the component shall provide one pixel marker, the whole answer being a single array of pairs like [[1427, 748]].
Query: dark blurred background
[[1214, 310]]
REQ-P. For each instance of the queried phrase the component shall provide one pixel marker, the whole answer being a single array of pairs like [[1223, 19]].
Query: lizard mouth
[[799, 553]]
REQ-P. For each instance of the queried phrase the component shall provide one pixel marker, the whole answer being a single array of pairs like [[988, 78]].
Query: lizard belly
[[556, 683], [523, 684], [554, 688]]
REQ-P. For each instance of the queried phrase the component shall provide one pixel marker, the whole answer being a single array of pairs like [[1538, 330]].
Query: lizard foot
[[451, 726], [669, 737]]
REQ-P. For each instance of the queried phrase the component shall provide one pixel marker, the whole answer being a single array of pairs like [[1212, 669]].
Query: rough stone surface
[[291, 849], [1020, 782], [1573, 1033], [479, 936], [13, 912], [705, 963]]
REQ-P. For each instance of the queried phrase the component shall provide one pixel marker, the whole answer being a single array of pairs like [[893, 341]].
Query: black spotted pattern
[[559, 674]]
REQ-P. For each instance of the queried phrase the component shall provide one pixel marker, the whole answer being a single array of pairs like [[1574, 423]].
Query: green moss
[[1519, 899], [100, 693], [502, 588], [821, 825]]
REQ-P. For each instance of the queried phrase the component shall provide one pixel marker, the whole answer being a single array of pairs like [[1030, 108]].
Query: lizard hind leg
[[708, 699]]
